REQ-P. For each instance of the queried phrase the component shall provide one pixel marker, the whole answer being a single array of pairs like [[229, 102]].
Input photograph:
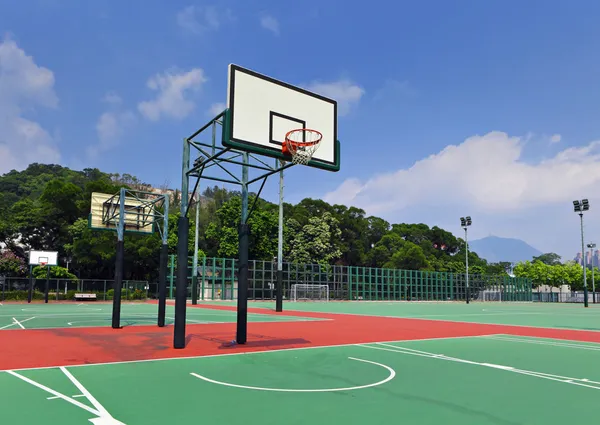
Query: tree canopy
[[46, 207]]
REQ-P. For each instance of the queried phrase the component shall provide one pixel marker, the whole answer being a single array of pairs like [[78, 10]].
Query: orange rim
[[294, 143]]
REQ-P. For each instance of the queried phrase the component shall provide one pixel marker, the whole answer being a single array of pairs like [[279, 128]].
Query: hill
[[495, 249]]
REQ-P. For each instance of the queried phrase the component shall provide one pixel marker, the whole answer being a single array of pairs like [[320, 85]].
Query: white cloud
[[112, 98], [555, 138], [270, 23], [487, 178], [110, 127], [202, 19], [344, 91], [216, 108], [174, 94], [24, 86], [484, 172]]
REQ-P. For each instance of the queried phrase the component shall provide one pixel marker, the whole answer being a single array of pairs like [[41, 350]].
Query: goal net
[[307, 292]]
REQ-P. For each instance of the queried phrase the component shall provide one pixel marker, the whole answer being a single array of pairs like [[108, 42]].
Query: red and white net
[[302, 144]]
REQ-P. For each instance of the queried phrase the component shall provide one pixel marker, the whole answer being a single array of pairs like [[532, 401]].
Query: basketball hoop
[[301, 144], [43, 264]]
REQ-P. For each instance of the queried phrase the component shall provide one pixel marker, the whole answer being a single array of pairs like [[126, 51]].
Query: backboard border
[[50, 255], [274, 152], [127, 229]]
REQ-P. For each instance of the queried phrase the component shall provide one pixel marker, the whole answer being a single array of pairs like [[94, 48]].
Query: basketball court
[[313, 363], [316, 364]]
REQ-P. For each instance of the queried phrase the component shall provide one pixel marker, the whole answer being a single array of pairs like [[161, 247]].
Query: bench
[[89, 297]]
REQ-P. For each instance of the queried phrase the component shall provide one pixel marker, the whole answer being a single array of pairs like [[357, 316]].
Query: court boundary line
[[582, 382], [392, 374], [544, 341], [240, 353]]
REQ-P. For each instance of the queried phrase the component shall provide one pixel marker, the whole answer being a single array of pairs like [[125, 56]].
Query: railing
[[17, 288]]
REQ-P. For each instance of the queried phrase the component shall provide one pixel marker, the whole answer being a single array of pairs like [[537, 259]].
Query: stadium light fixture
[[465, 222], [579, 207]]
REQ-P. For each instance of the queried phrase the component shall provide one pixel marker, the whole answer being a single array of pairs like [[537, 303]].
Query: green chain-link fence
[[217, 280]]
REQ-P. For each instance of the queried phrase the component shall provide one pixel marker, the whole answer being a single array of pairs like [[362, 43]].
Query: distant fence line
[[217, 279]]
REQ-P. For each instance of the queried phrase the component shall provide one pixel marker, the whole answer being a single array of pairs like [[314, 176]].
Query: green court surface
[[486, 380], [547, 315], [45, 316]]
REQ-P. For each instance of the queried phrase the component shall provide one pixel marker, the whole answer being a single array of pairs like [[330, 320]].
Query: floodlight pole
[[465, 222], [116, 311], [182, 253], [279, 283], [244, 231], [467, 265], [591, 246], [585, 291], [163, 264]]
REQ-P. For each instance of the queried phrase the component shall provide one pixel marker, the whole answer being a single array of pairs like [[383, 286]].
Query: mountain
[[495, 249]]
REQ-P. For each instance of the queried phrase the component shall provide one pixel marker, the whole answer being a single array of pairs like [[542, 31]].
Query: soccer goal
[[308, 292]]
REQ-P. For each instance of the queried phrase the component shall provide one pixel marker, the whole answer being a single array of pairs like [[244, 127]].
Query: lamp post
[[579, 207], [465, 222], [591, 246]]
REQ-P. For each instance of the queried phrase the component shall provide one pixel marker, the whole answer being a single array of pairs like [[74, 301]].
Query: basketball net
[[301, 145]]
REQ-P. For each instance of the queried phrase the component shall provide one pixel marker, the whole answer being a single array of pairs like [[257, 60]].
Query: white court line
[[550, 343], [247, 353], [74, 396], [316, 390], [558, 378], [55, 393], [16, 322], [86, 393]]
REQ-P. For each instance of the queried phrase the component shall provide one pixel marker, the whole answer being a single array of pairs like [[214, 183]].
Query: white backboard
[[48, 257], [104, 214], [261, 110]]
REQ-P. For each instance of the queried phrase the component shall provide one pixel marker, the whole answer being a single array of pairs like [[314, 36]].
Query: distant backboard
[[261, 110], [104, 214], [50, 258]]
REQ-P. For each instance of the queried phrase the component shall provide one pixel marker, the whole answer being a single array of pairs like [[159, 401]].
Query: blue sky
[[451, 107]]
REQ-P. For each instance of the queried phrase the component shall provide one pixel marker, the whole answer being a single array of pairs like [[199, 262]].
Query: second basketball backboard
[[261, 110]]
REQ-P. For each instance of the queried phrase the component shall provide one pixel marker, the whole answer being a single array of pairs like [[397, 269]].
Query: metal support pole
[[120, 255], [585, 290], [163, 266], [195, 260], [591, 246], [30, 292], [279, 283], [182, 254], [467, 265], [162, 284], [47, 285], [244, 230]]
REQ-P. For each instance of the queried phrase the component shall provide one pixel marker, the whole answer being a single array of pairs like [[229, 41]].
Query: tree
[[314, 242], [409, 257], [11, 265], [549, 258]]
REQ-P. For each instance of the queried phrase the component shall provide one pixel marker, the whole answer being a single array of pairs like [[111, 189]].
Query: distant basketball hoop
[[301, 144]]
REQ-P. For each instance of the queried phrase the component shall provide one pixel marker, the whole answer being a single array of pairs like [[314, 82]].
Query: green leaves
[[555, 275]]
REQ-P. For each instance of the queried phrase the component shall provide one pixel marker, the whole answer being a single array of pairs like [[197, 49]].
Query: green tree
[[11, 265], [548, 258], [314, 242]]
